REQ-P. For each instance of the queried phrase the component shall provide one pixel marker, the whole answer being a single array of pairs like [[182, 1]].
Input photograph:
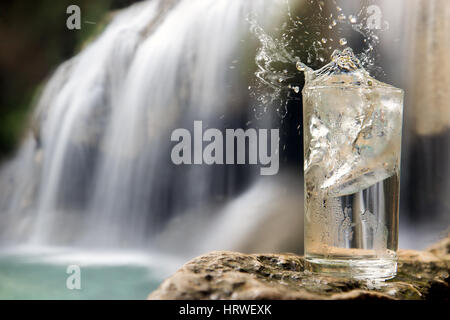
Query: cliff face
[[231, 275]]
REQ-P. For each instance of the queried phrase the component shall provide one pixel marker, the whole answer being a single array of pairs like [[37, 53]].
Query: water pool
[[32, 275]]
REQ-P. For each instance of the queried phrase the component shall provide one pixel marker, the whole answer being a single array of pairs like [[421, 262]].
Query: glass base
[[360, 269]]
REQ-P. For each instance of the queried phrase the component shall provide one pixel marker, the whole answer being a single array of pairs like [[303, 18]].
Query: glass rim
[[387, 87]]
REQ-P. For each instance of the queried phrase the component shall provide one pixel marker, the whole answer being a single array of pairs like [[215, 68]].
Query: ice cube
[[354, 128]]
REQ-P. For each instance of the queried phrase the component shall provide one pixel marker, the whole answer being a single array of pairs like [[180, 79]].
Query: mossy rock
[[231, 275]]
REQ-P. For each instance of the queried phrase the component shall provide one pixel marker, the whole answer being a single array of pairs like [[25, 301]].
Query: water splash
[[306, 41]]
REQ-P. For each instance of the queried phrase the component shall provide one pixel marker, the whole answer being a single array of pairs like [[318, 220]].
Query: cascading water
[[96, 169]]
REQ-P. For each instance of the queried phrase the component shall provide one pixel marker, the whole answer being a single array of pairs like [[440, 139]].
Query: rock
[[232, 275], [441, 249]]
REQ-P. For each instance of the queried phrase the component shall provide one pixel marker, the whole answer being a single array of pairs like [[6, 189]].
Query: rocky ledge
[[232, 275]]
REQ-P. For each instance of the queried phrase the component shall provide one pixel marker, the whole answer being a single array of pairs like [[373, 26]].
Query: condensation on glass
[[352, 146]]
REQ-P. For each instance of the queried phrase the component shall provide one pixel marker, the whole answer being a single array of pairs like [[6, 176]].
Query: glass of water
[[352, 146]]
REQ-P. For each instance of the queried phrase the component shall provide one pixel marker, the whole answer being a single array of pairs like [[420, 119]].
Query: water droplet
[[324, 40], [341, 16], [338, 8], [343, 41], [332, 24], [300, 66], [296, 89], [352, 18]]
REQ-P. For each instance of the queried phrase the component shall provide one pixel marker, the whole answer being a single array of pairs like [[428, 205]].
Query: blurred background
[[86, 117]]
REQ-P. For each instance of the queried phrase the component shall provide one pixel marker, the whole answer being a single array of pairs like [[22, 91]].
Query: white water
[[93, 170], [96, 169]]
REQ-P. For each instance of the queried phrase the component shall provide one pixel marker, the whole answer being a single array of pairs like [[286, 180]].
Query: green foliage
[[34, 40]]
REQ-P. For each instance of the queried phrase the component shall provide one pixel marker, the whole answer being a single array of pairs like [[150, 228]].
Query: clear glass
[[352, 147]]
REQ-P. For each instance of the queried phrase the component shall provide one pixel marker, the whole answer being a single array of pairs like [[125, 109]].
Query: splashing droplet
[[332, 24], [352, 19], [300, 66]]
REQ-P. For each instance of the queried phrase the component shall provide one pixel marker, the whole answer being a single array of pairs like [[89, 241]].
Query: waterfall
[[95, 169], [428, 176]]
